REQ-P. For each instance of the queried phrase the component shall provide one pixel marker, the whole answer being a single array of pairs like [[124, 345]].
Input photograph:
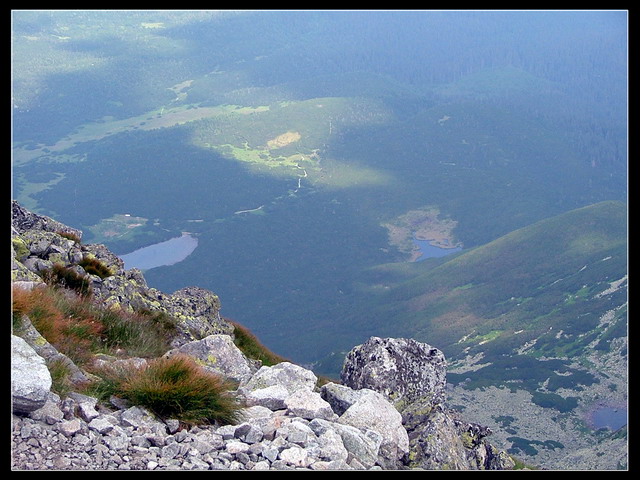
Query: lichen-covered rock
[[403, 370], [218, 354], [413, 376], [30, 378], [197, 312], [23, 220]]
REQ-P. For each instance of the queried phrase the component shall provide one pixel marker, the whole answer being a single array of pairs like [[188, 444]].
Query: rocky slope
[[388, 412]]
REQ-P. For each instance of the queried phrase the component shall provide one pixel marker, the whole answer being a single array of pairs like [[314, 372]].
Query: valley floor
[[517, 421]]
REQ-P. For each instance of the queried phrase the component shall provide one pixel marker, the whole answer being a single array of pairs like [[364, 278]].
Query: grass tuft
[[249, 344], [69, 236], [174, 387], [93, 266], [66, 277]]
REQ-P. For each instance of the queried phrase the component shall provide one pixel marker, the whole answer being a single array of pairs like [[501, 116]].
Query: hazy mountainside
[[549, 275], [536, 317]]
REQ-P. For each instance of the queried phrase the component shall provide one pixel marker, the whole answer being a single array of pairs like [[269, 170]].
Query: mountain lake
[[160, 254]]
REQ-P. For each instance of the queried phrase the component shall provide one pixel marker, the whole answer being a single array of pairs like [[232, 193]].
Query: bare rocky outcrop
[[412, 376]]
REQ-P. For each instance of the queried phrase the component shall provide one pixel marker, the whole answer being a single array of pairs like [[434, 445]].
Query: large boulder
[[372, 411], [403, 370], [271, 386], [218, 354], [197, 312], [30, 378], [412, 375]]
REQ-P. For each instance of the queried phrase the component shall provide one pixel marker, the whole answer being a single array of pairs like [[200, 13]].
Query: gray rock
[[102, 424], [308, 405], [87, 411], [403, 370], [295, 431], [248, 433], [373, 411], [30, 378], [340, 397], [136, 416], [197, 311], [271, 397], [270, 386], [295, 456], [362, 445], [218, 354], [49, 413], [70, 428]]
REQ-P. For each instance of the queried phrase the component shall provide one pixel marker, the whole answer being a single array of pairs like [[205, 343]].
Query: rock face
[[412, 376], [30, 378], [387, 414], [402, 369]]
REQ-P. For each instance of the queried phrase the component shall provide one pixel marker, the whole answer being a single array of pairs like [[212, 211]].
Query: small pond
[[607, 416], [430, 251]]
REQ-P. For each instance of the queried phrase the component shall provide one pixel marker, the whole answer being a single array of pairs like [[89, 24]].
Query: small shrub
[[65, 277], [93, 266], [174, 387]]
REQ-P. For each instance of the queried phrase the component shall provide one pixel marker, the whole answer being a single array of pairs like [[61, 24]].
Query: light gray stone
[[102, 424], [218, 354], [309, 405], [49, 413], [295, 456], [373, 411], [403, 370], [30, 378], [70, 428]]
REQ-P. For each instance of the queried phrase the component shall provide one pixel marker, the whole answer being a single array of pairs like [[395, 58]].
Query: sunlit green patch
[[118, 227], [162, 117], [289, 138], [482, 339]]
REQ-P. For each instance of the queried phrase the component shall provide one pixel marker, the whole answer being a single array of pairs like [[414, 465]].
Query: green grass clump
[[93, 266], [249, 344], [174, 387], [60, 377]]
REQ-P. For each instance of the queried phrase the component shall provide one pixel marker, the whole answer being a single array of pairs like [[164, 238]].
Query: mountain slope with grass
[[536, 317]]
